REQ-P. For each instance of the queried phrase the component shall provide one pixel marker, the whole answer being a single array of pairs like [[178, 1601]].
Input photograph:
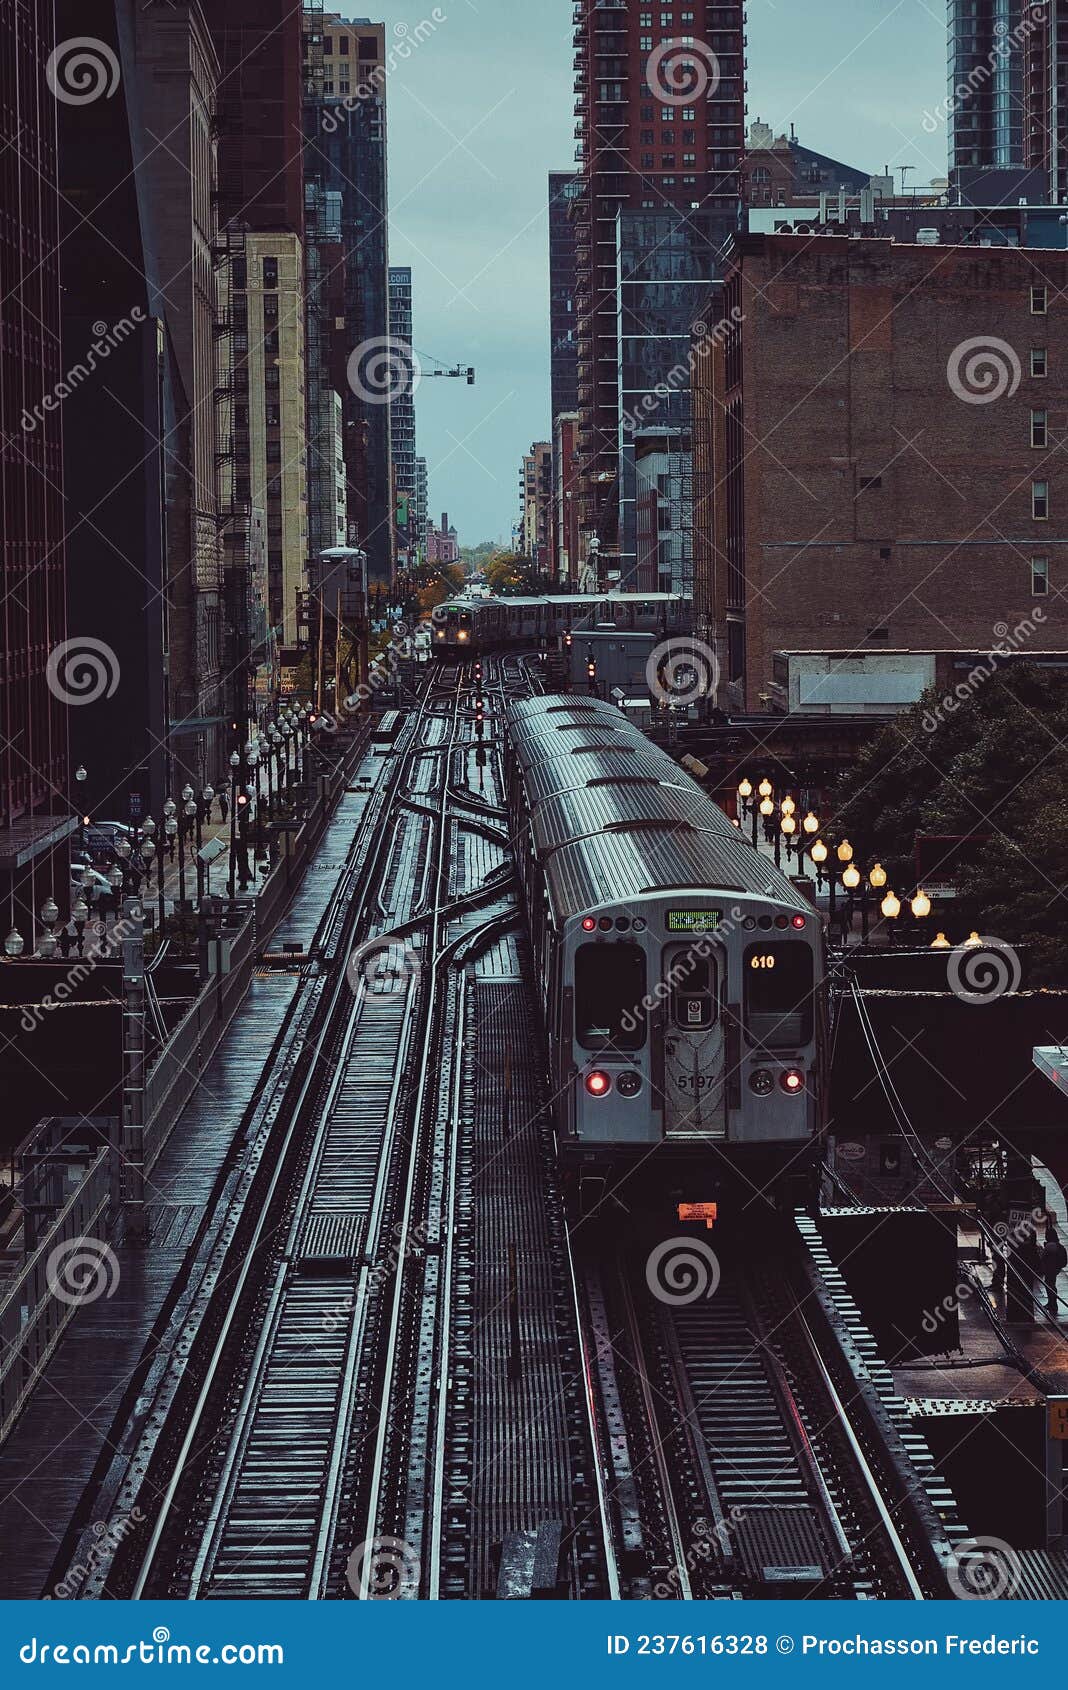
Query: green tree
[[988, 763]]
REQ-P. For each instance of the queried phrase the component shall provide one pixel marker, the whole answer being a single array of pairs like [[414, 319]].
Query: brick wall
[[874, 490]]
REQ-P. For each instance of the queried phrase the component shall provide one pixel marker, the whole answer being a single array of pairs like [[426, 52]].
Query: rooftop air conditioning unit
[[928, 237]]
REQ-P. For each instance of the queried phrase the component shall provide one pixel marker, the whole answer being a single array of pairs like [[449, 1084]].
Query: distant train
[[471, 626], [682, 975]]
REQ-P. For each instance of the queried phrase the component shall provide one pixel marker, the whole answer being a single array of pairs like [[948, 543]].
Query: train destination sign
[[693, 921]]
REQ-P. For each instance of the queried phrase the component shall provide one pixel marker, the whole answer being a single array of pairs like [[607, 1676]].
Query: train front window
[[609, 993], [779, 981]]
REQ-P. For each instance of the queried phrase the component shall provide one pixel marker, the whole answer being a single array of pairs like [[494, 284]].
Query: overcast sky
[[481, 110]]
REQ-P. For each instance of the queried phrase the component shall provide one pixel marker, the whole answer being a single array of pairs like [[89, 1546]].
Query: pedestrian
[[999, 1252], [224, 806], [66, 939], [1054, 1260], [79, 937], [1025, 1261]]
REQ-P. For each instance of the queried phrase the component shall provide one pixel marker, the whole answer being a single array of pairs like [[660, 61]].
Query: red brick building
[[878, 451]]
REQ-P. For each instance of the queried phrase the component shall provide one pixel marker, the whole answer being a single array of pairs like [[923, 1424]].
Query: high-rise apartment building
[[34, 801], [345, 136], [985, 104], [1045, 94], [402, 414], [564, 187], [421, 503], [272, 471], [260, 189], [660, 103], [325, 359]]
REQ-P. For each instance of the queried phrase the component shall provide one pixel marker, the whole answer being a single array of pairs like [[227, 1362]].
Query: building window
[[1040, 500], [1038, 302], [648, 161], [645, 43], [689, 114], [342, 43], [270, 272], [1038, 361], [1039, 577], [1039, 428]]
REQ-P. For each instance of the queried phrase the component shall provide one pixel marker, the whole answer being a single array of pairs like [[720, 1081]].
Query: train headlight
[[629, 1084], [761, 1081], [462, 635], [792, 1081], [598, 1083]]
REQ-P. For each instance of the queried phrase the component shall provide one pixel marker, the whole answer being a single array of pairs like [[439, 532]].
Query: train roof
[[575, 600], [614, 818]]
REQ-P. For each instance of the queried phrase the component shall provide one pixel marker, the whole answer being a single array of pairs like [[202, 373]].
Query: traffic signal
[[568, 639], [470, 376], [591, 663]]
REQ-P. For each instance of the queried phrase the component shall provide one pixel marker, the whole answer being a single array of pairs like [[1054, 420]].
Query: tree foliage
[[987, 764]]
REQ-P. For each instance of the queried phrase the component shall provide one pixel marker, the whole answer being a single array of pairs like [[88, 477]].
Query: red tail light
[[799, 921], [598, 1083], [792, 1081]]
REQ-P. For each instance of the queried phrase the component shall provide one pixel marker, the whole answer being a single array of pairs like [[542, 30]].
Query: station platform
[[62, 1438]]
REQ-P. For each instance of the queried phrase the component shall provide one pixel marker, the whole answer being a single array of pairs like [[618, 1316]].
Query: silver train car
[[470, 627], [682, 975]]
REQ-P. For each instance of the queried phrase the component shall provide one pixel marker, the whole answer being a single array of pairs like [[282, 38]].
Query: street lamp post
[[235, 764]]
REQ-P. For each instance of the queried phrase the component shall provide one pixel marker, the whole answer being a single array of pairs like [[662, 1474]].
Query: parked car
[[99, 839]]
